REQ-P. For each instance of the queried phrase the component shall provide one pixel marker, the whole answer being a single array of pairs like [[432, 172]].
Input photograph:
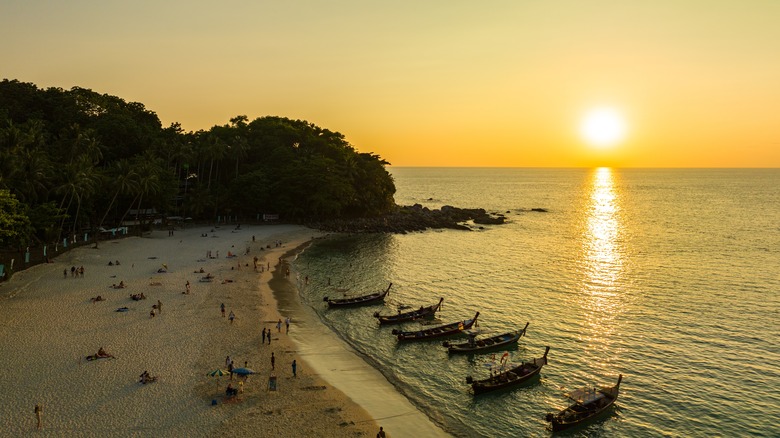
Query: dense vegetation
[[76, 160]]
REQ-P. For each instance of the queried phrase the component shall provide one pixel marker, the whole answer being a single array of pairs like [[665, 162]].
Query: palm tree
[[125, 179]]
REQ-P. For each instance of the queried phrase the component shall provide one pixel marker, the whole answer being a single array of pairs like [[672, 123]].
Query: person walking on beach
[[159, 306], [279, 325], [269, 336], [294, 368], [38, 415], [263, 336], [273, 361], [232, 316], [222, 308], [287, 324]]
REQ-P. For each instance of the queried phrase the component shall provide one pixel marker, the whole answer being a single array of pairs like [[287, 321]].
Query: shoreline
[[342, 366], [48, 324]]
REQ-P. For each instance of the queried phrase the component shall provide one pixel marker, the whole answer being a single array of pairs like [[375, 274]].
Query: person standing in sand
[[222, 308], [159, 306], [287, 324], [294, 368], [273, 361], [263, 336], [279, 325], [232, 316], [38, 415], [381, 433]]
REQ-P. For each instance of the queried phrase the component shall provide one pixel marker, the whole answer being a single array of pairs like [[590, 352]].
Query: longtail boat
[[436, 332], [422, 312], [360, 300], [513, 376], [475, 345], [588, 404]]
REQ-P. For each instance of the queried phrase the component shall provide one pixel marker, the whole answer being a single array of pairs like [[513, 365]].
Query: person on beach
[[263, 336], [228, 361], [232, 316], [287, 324], [38, 415], [279, 325], [273, 361], [222, 308], [381, 433], [159, 306], [269, 336], [294, 368]]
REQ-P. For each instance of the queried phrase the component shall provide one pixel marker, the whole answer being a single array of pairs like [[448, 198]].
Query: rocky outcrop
[[413, 218]]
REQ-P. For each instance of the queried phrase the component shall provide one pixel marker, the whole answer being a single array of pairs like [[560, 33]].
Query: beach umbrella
[[243, 371], [218, 373]]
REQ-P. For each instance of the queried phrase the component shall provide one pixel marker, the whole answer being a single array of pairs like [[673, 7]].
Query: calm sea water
[[669, 277]]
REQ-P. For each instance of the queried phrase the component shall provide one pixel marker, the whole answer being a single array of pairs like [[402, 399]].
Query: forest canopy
[[77, 160]]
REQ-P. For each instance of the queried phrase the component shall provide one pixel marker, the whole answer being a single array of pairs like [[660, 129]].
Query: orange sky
[[438, 83]]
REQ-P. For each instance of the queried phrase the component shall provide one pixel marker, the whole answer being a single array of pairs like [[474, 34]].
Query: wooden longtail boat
[[480, 345], [359, 301], [588, 404], [436, 332], [511, 377], [422, 312]]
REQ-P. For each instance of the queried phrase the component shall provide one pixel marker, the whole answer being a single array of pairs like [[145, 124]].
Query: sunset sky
[[434, 83]]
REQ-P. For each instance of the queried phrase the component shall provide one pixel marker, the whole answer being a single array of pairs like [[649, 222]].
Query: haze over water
[[669, 277]]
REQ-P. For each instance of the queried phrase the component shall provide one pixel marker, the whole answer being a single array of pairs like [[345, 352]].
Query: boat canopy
[[585, 395]]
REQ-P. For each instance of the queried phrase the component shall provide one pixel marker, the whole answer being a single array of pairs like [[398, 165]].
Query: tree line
[[76, 160]]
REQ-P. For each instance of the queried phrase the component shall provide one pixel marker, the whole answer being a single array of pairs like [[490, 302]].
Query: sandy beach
[[49, 324]]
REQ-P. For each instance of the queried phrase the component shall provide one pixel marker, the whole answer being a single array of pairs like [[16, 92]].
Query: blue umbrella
[[243, 371]]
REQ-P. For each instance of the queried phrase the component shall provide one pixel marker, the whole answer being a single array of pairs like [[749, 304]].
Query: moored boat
[[475, 345], [512, 376], [588, 404], [436, 332], [422, 312], [359, 300]]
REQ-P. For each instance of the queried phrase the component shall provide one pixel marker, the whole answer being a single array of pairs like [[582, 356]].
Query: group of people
[[74, 272]]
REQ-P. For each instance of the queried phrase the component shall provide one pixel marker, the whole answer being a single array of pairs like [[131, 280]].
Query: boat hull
[[436, 332], [465, 348], [364, 300]]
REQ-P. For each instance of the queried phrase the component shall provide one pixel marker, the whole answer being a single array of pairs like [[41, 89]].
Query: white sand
[[48, 325]]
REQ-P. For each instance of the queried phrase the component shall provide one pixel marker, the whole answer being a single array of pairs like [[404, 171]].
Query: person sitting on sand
[[152, 313], [110, 263], [145, 378], [201, 271], [230, 391], [209, 276], [102, 353], [97, 298]]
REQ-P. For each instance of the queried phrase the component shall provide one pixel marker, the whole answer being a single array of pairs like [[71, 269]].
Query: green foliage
[[14, 224], [77, 160]]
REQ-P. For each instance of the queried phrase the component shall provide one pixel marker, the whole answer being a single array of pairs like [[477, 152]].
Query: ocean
[[669, 277]]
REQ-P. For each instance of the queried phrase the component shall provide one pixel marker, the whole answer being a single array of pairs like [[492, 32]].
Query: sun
[[603, 127]]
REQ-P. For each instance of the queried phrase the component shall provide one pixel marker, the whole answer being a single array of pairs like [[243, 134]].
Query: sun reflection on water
[[602, 264]]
